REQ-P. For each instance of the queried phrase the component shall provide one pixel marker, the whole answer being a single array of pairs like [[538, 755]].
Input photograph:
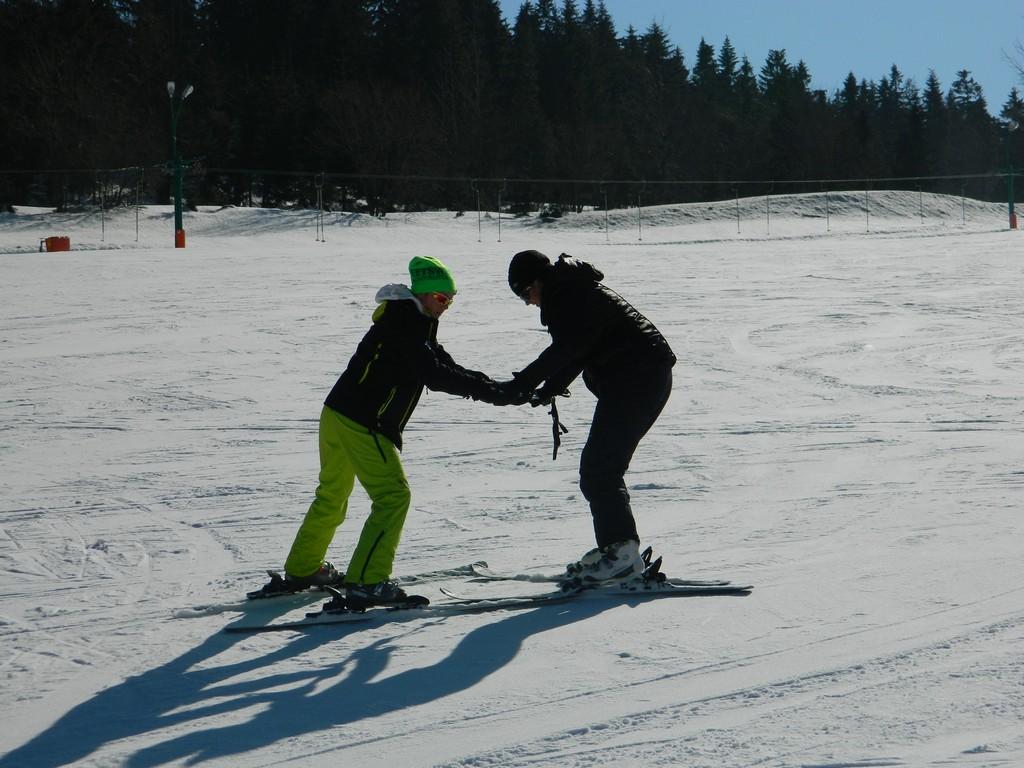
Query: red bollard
[[179, 238]]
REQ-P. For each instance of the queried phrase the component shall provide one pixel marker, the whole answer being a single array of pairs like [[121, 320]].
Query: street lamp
[[179, 231], [1011, 126]]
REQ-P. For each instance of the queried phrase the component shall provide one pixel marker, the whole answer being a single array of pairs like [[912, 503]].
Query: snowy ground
[[845, 433]]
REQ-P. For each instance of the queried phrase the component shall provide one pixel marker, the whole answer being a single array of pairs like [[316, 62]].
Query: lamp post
[[179, 231], [1011, 126]]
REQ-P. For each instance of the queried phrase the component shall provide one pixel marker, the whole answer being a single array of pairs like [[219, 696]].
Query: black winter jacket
[[397, 357], [593, 330]]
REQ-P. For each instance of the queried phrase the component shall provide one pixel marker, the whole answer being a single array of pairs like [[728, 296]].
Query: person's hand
[[539, 398], [544, 396], [508, 393]]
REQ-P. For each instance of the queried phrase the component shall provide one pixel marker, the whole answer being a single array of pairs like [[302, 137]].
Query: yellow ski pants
[[349, 451]]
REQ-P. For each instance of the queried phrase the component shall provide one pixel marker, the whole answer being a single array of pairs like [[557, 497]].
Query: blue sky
[[834, 38]]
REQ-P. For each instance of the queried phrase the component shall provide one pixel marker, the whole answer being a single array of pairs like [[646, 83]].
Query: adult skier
[[625, 362]]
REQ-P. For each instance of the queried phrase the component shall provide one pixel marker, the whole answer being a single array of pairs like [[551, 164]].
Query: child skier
[[361, 428]]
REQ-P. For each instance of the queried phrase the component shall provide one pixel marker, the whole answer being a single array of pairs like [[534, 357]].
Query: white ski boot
[[614, 562]]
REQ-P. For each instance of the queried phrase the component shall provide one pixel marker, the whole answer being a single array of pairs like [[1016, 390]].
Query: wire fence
[[382, 194], [386, 193]]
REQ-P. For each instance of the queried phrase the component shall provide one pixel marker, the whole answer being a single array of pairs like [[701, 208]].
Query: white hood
[[397, 292]]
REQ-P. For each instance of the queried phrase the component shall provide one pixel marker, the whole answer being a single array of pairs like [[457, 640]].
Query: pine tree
[[727, 64], [1012, 115], [712, 122], [1012, 112], [936, 126], [965, 95], [777, 81], [970, 126], [705, 68], [526, 142]]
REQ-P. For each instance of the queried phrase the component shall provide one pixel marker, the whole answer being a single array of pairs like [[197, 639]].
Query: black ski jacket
[[593, 330], [397, 357]]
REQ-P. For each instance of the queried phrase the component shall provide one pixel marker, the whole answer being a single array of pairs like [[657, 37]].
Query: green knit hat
[[429, 275]]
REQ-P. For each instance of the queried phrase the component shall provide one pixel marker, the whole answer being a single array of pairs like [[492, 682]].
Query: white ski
[[481, 570]]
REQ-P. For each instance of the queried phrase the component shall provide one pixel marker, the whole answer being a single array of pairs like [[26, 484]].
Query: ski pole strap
[[557, 429]]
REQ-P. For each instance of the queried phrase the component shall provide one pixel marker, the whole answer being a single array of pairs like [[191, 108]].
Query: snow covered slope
[[845, 432]]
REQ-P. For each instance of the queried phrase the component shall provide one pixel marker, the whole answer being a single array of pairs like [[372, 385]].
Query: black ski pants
[[627, 408]]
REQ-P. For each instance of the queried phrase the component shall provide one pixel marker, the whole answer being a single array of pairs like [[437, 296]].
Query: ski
[[652, 583], [255, 600], [388, 613], [466, 604], [455, 572], [508, 601], [482, 571], [342, 602], [319, 619], [651, 572], [668, 588], [290, 599], [632, 588], [276, 587]]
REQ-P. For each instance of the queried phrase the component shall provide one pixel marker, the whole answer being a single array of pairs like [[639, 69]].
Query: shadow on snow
[[178, 693]]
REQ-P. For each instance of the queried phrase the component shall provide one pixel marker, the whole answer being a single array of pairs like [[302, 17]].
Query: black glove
[[545, 395], [507, 393], [536, 398]]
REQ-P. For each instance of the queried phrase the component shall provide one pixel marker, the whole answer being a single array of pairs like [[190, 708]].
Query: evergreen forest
[[411, 104]]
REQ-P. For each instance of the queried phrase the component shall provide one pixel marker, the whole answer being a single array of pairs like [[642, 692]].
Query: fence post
[[479, 214], [867, 208], [607, 236], [103, 215], [500, 190], [1011, 127], [140, 180], [640, 212], [318, 182]]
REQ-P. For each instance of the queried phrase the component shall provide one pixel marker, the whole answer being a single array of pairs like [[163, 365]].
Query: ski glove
[[546, 395], [508, 393]]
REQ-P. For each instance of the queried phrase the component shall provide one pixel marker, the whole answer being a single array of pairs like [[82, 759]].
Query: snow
[[844, 433]]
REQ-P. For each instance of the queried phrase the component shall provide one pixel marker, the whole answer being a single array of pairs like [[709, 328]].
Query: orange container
[[58, 243], [179, 238]]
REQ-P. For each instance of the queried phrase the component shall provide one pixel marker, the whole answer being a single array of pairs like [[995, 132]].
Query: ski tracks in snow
[[746, 706], [844, 433]]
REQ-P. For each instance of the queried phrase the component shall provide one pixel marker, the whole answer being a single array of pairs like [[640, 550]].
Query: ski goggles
[[443, 299]]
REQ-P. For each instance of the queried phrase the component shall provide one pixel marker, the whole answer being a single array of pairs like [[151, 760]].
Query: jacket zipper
[[366, 370], [407, 414], [380, 414], [386, 403]]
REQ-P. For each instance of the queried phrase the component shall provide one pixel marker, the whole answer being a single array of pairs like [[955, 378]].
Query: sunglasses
[[443, 299]]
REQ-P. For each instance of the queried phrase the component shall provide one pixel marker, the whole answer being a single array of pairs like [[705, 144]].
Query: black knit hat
[[525, 268]]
